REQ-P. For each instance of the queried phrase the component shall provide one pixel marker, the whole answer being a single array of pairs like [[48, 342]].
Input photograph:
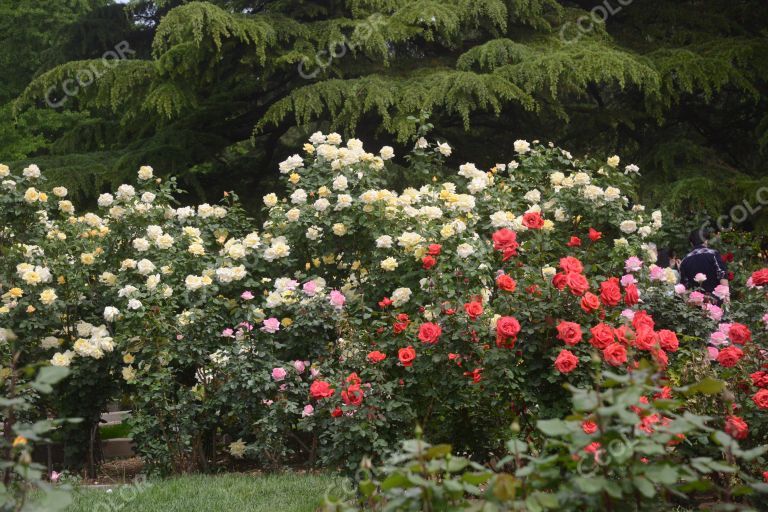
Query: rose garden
[[511, 321], [383, 255]]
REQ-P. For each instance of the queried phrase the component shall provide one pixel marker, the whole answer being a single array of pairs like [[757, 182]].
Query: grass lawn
[[232, 492]]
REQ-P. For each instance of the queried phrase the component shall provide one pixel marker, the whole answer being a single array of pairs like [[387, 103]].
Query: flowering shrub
[[355, 310], [627, 441]]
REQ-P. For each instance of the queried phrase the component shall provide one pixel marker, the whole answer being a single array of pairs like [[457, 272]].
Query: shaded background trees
[[217, 92]]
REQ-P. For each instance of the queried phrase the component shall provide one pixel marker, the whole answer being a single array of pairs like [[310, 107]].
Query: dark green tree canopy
[[218, 91]]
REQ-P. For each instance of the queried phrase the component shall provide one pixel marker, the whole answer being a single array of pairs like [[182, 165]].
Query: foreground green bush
[[626, 444]]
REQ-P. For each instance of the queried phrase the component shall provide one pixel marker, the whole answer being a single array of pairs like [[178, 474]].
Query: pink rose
[[308, 411], [627, 280], [679, 289], [712, 352], [715, 312], [633, 264], [337, 298], [718, 338], [628, 314], [696, 298], [271, 325], [228, 333], [246, 295], [657, 273], [722, 292], [299, 366], [310, 288], [279, 373]]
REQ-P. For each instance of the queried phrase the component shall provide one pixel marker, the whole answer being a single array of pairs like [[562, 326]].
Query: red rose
[[353, 378], [507, 329], [615, 354], [589, 427], [337, 412], [401, 324], [505, 240], [427, 262], [761, 399], [642, 319], [631, 295], [765, 476], [731, 276], [760, 379], [434, 249], [429, 333], [577, 283], [558, 281], [728, 357], [320, 389], [602, 336], [376, 356], [668, 340], [590, 302], [474, 309], [506, 283], [569, 332], [476, 374], [610, 292], [566, 362], [574, 242], [736, 427], [739, 333], [571, 264], [595, 235], [760, 277], [406, 355], [660, 357], [728, 257], [645, 339], [385, 303], [623, 333], [533, 220], [353, 395]]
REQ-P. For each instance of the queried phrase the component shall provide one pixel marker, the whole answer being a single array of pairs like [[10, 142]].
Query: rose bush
[[357, 310]]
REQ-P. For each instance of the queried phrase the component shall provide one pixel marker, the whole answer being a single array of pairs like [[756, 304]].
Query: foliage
[[624, 444], [24, 486]]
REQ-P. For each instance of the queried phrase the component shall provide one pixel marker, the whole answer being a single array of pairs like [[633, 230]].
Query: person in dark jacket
[[702, 261]]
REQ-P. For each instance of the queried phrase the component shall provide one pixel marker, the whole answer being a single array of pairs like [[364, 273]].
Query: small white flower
[[522, 146], [145, 172], [111, 313]]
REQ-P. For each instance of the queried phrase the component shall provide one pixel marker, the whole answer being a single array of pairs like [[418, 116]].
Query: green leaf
[[590, 485], [438, 451], [476, 478], [645, 486], [707, 386], [396, 480], [553, 427]]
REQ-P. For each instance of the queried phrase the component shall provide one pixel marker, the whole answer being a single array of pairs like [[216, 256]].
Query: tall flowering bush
[[357, 308]]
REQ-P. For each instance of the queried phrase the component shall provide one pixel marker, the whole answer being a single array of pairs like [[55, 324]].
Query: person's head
[[698, 237]]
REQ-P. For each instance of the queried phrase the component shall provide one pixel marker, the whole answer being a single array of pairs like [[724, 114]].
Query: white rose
[[628, 226], [389, 264], [145, 172], [522, 146], [387, 153], [465, 250], [270, 200], [111, 313]]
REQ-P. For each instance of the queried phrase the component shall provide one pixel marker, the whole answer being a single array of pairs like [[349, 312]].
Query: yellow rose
[[16, 293], [87, 258]]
